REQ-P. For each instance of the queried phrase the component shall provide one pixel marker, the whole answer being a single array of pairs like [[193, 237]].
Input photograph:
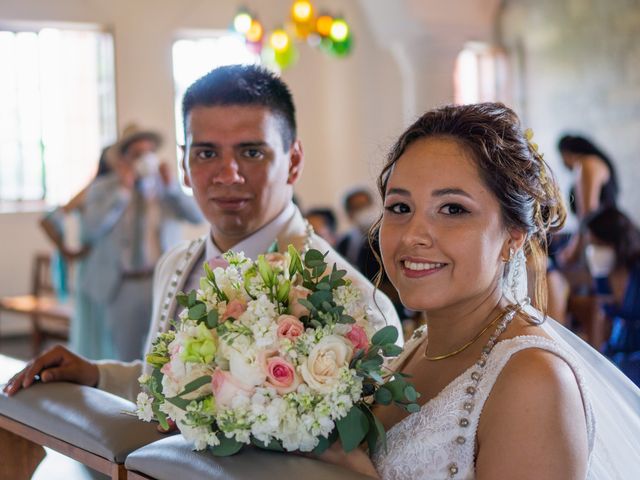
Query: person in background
[[595, 186], [613, 258], [127, 220], [53, 225], [324, 223], [362, 212]]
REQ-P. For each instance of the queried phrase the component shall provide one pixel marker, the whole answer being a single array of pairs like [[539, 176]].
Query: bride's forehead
[[436, 161]]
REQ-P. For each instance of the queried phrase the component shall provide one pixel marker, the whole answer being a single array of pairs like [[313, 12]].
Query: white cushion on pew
[[82, 416], [173, 458]]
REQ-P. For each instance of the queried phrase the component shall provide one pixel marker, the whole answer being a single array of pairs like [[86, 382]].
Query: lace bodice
[[439, 441]]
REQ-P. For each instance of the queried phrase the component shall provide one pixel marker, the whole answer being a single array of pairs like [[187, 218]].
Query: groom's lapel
[[293, 233], [176, 283]]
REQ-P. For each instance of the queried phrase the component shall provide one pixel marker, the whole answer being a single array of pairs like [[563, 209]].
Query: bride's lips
[[231, 203], [413, 267]]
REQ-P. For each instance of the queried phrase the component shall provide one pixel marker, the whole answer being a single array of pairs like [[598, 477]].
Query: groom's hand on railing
[[55, 365]]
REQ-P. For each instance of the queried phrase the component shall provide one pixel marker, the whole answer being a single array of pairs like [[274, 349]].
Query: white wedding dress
[[439, 441]]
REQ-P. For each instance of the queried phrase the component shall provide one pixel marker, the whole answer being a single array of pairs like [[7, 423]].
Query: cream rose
[[326, 358]]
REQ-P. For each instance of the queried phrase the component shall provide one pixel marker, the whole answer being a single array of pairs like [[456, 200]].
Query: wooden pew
[[83, 423]]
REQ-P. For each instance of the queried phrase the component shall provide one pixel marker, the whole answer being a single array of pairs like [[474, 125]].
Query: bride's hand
[[356, 460]]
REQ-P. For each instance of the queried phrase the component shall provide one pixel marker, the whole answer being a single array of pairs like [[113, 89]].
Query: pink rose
[[358, 336], [289, 327], [276, 259], [281, 375], [226, 387], [217, 262], [296, 308], [235, 308]]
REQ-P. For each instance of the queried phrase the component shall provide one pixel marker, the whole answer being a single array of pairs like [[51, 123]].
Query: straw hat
[[132, 133]]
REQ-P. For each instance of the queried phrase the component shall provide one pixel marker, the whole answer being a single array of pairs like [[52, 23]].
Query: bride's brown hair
[[509, 165]]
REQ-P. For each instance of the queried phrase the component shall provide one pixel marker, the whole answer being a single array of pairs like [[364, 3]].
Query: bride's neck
[[454, 325]]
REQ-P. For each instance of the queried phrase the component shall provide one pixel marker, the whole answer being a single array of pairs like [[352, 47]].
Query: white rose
[[246, 368], [321, 370]]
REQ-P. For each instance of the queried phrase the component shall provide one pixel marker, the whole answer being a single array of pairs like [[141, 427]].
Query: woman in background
[[613, 258], [595, 186]]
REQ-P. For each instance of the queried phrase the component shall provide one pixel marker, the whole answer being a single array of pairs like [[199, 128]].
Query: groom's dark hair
[[244, 85]]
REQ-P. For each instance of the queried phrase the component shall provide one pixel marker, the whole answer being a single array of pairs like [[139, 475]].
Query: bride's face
[[442, 236]]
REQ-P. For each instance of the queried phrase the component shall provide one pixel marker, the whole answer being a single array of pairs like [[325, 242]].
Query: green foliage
[[273, 445], [352, 428], [385, 335], [212, 319], [227, 446], [197, 311]]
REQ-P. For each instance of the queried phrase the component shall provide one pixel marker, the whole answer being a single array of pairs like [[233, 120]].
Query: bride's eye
[[397, 208], [453, 209]]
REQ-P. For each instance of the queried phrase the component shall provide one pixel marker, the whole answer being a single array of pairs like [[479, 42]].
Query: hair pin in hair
[[528, 134]]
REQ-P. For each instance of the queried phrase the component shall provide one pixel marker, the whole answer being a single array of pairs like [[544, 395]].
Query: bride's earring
[[516, 278]]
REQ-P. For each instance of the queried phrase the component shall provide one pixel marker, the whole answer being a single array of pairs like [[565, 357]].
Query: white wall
[[349, 110], [578, 67]]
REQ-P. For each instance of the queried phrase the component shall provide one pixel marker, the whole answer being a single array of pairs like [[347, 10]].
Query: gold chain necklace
[[466, 345]]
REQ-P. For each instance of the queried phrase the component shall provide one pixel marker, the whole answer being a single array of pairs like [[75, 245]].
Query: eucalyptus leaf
[[410, 393], [396, 387], [376, 434], [197, 311], [383, 396], [273, 445], [227, 446], [352, 428], [322, 446], [182, 299], [376, 376], [385, 335], [191, 300], [212, 319], [391, 350], [306, 303], [412, 408]]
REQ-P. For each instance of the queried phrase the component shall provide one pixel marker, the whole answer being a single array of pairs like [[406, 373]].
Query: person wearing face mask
[[129, 218], [613, 258], [353, 245]]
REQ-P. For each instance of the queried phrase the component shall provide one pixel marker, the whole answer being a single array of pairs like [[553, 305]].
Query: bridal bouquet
[[276, 352]]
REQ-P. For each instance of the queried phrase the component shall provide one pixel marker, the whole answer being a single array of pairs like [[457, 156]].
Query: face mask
[[147, 165], [366, 217], [600, 260]]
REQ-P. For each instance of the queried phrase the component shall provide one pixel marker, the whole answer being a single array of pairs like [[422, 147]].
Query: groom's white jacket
[[172, 272]]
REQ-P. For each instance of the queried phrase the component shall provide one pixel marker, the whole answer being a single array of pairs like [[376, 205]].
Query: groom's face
[[240, 171]]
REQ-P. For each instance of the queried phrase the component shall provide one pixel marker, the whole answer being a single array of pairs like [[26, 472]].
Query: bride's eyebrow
[[398, 191], [450, 191]]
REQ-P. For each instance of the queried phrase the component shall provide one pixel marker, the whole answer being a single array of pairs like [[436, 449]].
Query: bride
[[505, 391]]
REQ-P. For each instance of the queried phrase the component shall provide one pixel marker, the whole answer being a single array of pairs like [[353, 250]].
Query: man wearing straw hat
[[129, 219]]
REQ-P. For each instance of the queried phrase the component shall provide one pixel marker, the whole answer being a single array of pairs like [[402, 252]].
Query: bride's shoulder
[[534, 411]]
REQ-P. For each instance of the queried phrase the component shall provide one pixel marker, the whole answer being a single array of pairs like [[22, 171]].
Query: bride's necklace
[[466, 345]]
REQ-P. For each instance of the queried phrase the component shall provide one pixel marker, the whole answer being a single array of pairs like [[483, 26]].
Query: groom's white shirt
[[180, 268]]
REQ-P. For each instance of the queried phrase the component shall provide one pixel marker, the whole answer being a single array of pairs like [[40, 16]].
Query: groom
[[241, 158]]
